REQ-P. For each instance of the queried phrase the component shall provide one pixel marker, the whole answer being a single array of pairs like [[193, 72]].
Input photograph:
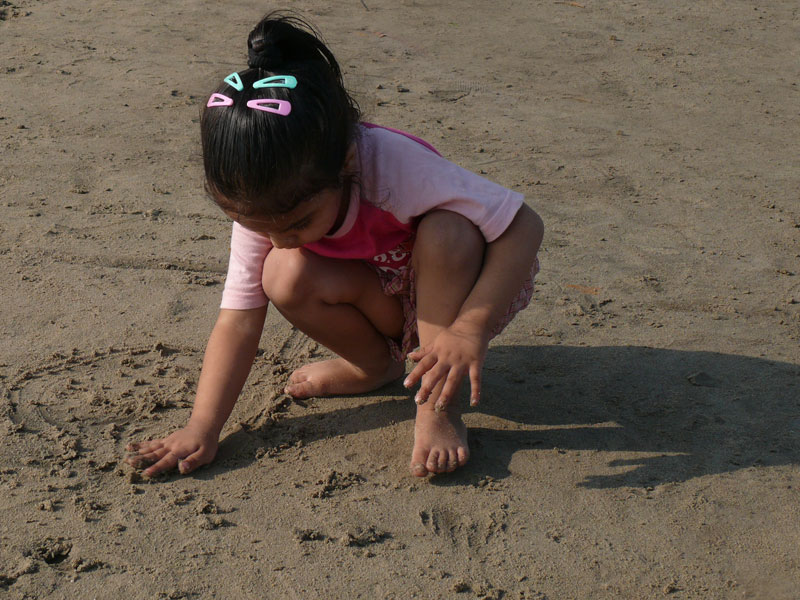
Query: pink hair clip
[[283, 108], [219, 100]]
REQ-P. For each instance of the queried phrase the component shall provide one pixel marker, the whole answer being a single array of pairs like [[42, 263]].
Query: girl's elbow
[[534, 226], [538, 225]]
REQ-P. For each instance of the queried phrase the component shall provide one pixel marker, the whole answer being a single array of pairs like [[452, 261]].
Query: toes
[[433, 461], [437, 461], [299, 390], [452, 461], [418, 459], [298, 376], [443, 460], [300, 384], [418, 470]]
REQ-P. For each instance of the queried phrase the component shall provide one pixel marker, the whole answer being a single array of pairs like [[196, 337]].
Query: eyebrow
[[299, 222]]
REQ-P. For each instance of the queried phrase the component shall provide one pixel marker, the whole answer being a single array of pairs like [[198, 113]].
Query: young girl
[[363, 237]]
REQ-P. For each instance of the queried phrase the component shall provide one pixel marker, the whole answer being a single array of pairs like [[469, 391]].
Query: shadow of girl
[[652, 416], [659, 415]]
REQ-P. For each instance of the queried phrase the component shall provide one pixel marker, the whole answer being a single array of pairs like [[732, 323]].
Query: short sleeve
[[410, 180], [243, 288]]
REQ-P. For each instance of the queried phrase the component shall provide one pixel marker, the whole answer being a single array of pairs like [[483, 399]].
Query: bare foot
[[339, 377], [440, 441]]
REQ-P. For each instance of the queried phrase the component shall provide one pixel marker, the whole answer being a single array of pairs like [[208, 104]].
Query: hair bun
[[261, 55], [279, 41]]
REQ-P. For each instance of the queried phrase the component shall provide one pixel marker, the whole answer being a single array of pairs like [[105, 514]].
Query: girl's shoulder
[[386, 153], [389, 135], [406, 176]]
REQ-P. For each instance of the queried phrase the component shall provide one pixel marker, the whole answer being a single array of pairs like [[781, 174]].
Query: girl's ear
[[350, 159]]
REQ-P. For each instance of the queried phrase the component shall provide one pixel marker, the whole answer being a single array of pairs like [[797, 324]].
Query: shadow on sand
[[687, 414]]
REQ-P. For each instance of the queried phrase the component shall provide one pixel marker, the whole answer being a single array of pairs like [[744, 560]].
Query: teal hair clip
[[234, 81], [284, 81]]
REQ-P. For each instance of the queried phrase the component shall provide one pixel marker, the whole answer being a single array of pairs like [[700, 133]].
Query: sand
[[639, 435]]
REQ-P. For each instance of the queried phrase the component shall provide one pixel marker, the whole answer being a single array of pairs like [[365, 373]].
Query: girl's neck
[[344, 205], [344, 201]]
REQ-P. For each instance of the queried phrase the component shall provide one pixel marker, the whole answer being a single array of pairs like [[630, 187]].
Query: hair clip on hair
[[270, 105], [219, 100], [284, 81], [234, 81], [279, 107]]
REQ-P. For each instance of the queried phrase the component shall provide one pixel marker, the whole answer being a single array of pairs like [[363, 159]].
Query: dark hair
[[262, 163]]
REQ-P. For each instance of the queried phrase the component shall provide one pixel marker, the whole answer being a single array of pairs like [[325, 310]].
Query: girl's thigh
[[296, 279]]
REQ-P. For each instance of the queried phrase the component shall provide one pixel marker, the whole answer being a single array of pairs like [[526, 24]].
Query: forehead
[[314, 209], [274, 221]]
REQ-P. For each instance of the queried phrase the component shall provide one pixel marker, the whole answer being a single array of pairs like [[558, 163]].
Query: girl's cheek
[[284, 241]]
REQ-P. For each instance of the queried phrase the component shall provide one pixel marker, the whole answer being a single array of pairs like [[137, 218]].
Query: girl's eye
[[302, 224]]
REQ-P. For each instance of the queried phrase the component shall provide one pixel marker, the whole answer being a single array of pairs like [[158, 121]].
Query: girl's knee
[[287, 277], [443, 235]]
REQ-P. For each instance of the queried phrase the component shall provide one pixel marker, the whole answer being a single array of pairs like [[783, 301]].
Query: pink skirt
[[403, 285]]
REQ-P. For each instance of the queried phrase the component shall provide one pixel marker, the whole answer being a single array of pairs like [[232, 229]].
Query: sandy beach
[[639, 434]]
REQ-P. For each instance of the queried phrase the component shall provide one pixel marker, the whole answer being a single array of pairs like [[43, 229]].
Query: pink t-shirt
[[400, 179]]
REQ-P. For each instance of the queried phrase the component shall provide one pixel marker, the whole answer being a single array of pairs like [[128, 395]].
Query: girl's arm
[[226, 365], [461, 348]]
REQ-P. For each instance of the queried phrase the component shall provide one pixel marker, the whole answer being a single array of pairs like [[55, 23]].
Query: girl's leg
[[341, 305], [447, 259]]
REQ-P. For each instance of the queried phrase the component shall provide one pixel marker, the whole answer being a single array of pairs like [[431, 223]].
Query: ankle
[[375, 365], [452, 410]]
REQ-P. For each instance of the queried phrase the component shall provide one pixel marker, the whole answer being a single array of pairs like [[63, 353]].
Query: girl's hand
[[457, 351], [187, 448]]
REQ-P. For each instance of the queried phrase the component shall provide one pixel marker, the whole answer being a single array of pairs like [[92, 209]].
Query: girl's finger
[[154, 455], [421, 397], [165, 464], [145, 446], [146, 458], [416, 355], [423, 392], [191, 462], [475, 385], [450, 388], [423, 366], [429, 381]]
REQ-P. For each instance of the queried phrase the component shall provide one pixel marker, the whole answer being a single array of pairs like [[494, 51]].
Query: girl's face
[[309, 222]]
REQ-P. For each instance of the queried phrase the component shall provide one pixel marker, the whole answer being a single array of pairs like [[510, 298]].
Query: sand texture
[[639, 435]]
